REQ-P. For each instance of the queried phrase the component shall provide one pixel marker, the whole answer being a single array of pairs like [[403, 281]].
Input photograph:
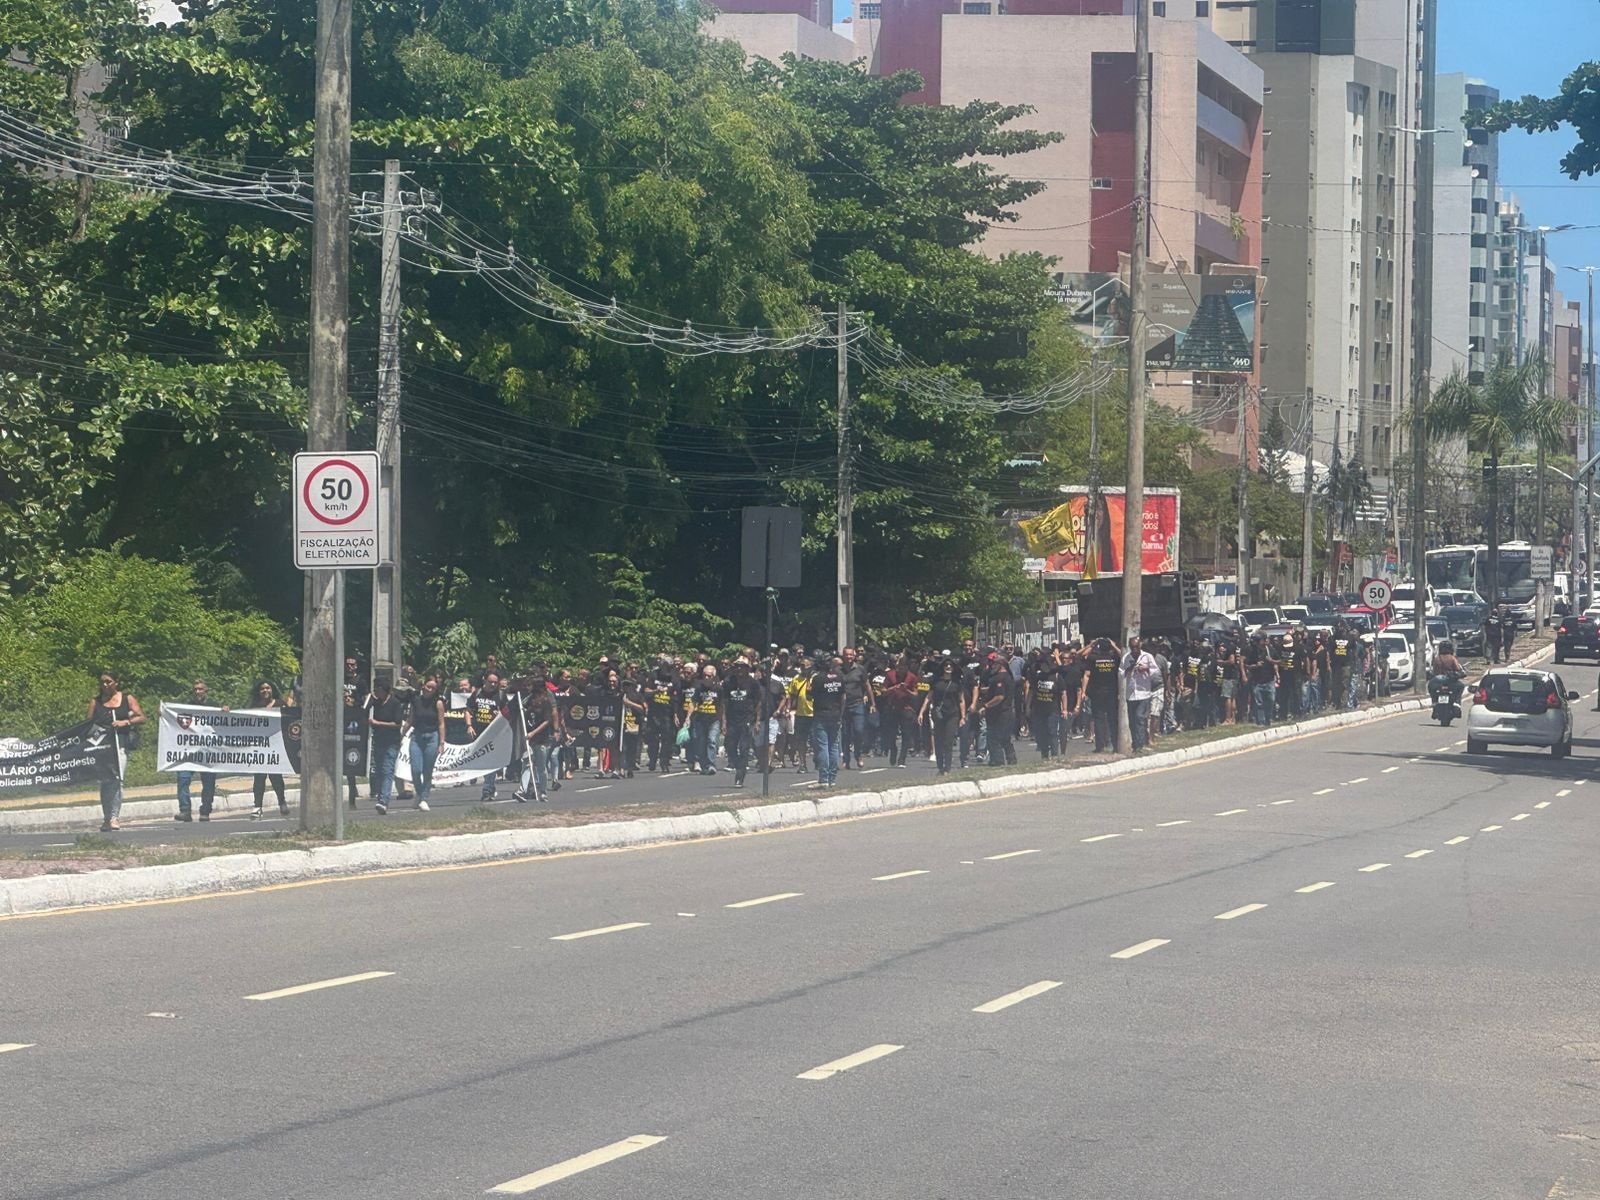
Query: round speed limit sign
[[1375, 593], [336, 510]]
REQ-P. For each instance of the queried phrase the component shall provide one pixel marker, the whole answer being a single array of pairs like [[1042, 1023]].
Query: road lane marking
[[1579, 782], [772, 899], [1563, 792], [1419, 853], [1100, 837], [8, 1047], [1230, 812], [1442, 750], [589, 933], [1462, 742], [1142, 948], [1456, 841], [1168, 824], [850, 1061], [1390, 770], [584, 1162], [874, 770], [896, 875], [1373, 867], [1415, 760], [1007, 854], [164, 1016], [319, 985], [1323, 792], [1357, 779], [686, 914], [1522, 816], [1543, 804], [1490, 828], [1278, 802], [599, 787], [1018, 996], [1314, 887], [1238, 912]]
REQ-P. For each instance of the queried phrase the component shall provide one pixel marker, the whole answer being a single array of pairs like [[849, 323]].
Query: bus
[[1466, 568]]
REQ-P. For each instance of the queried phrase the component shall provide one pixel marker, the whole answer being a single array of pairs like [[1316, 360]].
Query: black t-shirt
[[391, 711], [739, 700], [538, 708], [705, 699], [485, 707], [424, 713], [1046, 686], [946, 697], [1103, 674], [1072, 680], [1259, 667], [456, 732], [998, 684], [1342, 654], [827, 695], [661, 698]]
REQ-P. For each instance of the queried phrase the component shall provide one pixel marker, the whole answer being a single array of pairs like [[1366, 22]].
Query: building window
[[1101, 184], [1159, 8], [977, 8], [871, 11]]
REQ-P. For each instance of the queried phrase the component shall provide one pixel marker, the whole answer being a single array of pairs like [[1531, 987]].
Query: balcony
[[1218, 122]]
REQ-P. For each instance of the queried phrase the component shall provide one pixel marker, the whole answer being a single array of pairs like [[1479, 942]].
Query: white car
[[1518, 707], [1401, 664], [1253, 619], [1296, 614], [1404, 600]]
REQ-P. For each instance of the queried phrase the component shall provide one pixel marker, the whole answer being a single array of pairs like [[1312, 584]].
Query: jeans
[[536, 770], [424, 753], [1002, 725], [1311, 696], [700, 750], [1262, 702], [208, 790], [944, 736], [385, 753], [1139, 722], [855, 732], [1044, 723], [1352, 689], [111, 798], [738, 742], [825, 748], [487, 791]]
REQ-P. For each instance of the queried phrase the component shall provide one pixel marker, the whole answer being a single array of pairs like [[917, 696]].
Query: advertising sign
[[1209, 322], [1059, 536]]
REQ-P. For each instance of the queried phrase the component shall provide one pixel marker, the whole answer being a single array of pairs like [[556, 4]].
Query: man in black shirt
[[858, 700], [663, 715], [1104, 687], [1262, 673], [385, 715], [536, 705], [738, 717], [827, 709], [999, 710], [483, 706], [1044, 703], [1343, 659]]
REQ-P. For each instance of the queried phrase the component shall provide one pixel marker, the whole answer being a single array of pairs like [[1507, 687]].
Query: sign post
[[338, 526], [769, 560], [1375, 593]]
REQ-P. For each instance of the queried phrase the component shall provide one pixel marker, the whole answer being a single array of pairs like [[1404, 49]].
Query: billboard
[[1208, 322], [1059, 536]]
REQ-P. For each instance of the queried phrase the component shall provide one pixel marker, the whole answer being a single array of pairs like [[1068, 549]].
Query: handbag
[[683, 735]]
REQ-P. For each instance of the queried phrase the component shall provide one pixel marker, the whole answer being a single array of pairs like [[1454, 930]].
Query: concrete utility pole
[[1544, 394], [1422, 226], [386, 580], [1307, 536], [1133, 503], [846, 624], [1583, 486], [321, 665], [1243, 568]]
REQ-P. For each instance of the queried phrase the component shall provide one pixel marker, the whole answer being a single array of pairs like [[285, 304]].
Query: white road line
[[1018, 996], [1415, 760], [8, 1047], [1374, 867], [573, 1166], [1100, 837], [1522, 816], [1232, 812], [1542, 804], [1275, 803], [1007, 854], [599, 787], [1358, 779], [589, 933], [164, 1016], [1462, 742], [1456, 841], [1390, 770], [1579, 782], [1442, 750], [772, 899], [850, 1061], [686, 914], [1142, 948], [318, 986], [1239, 912], [1322, 792], [1490, 828], [1419, 853], [1563, 792], [1169, 824], [1314, 887], [874, 770], [896, 875]]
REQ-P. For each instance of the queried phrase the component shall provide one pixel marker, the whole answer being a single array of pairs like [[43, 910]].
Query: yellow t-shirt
[[799, 690]]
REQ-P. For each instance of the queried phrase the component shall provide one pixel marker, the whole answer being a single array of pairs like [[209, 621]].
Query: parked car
[[1438, 630], [1320, 603], [1520, 707], [1360, 621], [1465, 626], [1430, 644], [1402, 664], [1377, 618], [1403, 599], [1445, 597], [1577, 637], [1294, 612], [1254, 618]]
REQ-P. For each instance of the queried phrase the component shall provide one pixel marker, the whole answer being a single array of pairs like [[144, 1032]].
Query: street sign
[[336, 510], [1540, 563], [1033, 566], [1375, 593]]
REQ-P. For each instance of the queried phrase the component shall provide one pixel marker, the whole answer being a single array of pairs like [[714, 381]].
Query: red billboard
[[1062, 536]]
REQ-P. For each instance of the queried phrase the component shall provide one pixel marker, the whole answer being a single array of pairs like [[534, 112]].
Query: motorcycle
[[1446, 692]]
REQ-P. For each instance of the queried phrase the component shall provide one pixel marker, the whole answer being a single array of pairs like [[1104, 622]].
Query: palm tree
[[1508, 409]]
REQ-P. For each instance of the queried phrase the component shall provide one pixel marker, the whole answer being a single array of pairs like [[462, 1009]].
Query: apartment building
[[1467, 255], [772, 28]]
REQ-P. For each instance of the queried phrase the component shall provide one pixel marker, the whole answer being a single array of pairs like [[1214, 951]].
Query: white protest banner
[[245, 741], [460, 765]]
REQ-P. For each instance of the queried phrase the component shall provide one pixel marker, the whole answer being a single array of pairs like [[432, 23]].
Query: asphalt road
[[1358, 964]]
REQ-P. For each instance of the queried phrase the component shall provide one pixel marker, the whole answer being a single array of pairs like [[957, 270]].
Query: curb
[[234, 872], [86, 817]]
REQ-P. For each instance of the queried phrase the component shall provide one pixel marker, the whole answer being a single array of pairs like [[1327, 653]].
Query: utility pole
[[1331, 582], [846, 624], [1243, 568], [1583, 483], [1589, 412], [1133, 497], [1422, 228], [321, 661], [1307, 537], [1544, 394], [386, 581]]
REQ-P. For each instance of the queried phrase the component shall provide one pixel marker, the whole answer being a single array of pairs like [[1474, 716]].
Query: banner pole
[[338, 707]]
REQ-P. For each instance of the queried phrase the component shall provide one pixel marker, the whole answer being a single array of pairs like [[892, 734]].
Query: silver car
[[1521, 708]]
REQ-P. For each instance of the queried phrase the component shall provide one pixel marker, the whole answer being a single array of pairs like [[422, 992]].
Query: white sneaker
[[422, 806]]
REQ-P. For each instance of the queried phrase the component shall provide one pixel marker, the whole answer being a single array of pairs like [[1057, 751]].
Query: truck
[[1167, 601]]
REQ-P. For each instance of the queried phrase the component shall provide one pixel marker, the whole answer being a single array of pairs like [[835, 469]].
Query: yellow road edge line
[[524, 1184]]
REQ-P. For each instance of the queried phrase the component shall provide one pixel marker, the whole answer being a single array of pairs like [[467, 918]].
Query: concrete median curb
[[235, 872]]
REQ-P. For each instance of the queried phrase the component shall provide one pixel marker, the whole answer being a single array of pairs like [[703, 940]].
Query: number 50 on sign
[[338, 520]]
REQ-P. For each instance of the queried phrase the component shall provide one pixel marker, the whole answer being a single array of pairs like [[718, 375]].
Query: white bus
[[1466, 568]]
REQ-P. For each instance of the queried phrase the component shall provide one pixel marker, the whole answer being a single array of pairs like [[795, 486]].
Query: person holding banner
[[483, 709], [537, 708], [662, 718], [425, 720], [199, 694], [266, 696], [118, 713]]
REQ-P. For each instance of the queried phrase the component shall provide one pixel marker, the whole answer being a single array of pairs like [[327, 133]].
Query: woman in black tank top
[[117, 711]]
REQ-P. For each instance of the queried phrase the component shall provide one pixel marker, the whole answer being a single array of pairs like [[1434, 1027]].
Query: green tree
[[1507, 410]]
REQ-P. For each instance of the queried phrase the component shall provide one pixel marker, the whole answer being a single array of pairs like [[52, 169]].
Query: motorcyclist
[[1447, 673]]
